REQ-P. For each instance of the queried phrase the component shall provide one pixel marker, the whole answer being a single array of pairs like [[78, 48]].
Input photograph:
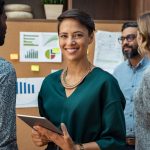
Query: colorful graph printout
[[39, 47], [27, 92]]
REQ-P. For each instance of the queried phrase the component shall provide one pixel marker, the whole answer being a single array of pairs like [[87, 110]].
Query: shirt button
[[130, 115], [132, 85]]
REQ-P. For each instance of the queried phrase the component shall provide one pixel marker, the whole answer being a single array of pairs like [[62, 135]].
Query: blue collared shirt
[[129, 79]]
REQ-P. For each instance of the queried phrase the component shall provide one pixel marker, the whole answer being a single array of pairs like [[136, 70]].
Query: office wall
[[138, 7], [104, 9], [99, 9]]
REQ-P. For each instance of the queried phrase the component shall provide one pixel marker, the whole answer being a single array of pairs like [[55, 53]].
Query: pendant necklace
[[72, 86]]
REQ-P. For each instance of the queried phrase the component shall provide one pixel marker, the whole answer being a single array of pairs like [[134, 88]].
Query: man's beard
[[132, 53]]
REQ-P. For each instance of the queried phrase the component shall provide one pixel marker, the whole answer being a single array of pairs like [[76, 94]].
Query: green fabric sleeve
[[113, 122]]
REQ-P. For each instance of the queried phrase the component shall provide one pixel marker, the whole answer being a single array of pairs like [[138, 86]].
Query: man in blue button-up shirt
[[129, 74]]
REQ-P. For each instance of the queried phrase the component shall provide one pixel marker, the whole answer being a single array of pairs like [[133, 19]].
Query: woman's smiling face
[[74, 39]]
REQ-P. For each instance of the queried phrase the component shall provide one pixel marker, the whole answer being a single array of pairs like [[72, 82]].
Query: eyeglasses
[[129, 38]]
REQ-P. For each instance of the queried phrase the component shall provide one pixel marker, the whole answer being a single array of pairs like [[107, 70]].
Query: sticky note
[[14, 56], [35, 68]]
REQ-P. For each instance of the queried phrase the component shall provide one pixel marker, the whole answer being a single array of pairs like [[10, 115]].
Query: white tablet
[[41, 121]]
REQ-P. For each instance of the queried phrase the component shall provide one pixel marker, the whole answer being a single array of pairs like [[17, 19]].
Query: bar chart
[[25, 88], [32, 54]]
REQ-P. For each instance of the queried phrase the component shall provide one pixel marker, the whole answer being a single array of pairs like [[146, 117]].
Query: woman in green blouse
[[83, 99]]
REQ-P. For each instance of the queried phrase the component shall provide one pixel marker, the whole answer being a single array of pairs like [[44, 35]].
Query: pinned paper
[[14, 56], [53, 70], [39, 47], [35, 68], [27, 92]]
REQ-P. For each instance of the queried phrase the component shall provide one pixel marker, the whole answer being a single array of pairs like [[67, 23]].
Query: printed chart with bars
[[39, 47], [33, 54], [27, 91], [25, 88]]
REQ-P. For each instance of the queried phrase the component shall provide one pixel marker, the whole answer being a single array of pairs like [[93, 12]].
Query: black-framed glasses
[[129, 38]]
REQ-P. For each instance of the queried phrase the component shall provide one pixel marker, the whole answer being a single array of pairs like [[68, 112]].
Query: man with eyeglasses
[[129, 74]]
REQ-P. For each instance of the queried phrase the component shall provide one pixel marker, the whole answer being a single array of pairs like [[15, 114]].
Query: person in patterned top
[[7, 94], [142, 95]]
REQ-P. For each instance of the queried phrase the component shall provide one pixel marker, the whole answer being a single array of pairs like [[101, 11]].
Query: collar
[[141, 63]]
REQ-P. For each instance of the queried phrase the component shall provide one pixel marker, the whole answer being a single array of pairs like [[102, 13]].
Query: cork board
[[23, 69]]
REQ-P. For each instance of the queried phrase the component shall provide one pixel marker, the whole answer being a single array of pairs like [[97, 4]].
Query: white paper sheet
[[27, 92], [108, 53], [39, 47]]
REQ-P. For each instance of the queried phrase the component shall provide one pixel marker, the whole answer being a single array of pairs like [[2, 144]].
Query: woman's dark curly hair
[[1, 6]]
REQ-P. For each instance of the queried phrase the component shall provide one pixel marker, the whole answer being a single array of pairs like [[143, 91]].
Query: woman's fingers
[[38, 138], [67, 138], [42, 135], [64, 129], [35, 133]]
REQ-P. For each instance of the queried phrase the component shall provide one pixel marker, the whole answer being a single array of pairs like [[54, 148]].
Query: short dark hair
[[129, 24], [79, 15]]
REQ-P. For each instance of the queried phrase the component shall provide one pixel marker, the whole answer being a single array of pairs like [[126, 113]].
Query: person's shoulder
[[4, 62], [6, 66], [145, 83], [104, 75], [121, 66], [109, 82], [121, 69], [146, 73], [147, 62], [53, 76]]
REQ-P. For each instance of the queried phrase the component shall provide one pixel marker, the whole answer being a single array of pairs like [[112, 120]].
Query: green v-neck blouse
[[93, 112]]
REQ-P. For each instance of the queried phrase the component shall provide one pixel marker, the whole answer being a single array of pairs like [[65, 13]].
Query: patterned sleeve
[[142, 113], [143, 94], [7, 107]]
